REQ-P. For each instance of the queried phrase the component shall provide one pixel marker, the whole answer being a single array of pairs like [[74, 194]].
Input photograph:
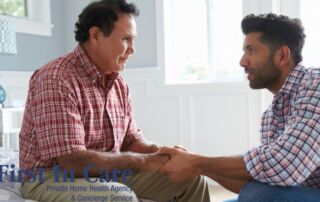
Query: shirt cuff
[[57, 152], [130, 138], [253, 163]]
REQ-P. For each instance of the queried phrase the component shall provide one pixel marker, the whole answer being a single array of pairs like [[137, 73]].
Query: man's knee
[[111, 191], [81, 190], [200, 180], [198, 189], [120, 192], [261, 192], [199, 184], [255, 191]]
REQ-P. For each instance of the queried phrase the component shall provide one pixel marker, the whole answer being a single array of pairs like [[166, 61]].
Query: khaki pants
[[153, 186]]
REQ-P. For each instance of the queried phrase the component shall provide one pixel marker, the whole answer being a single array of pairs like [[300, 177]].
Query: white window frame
[[38, 21]]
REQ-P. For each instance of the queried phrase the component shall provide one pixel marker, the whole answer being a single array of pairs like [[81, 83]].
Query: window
[[203, 40], [13, 8], [30, 16], [309, 14]]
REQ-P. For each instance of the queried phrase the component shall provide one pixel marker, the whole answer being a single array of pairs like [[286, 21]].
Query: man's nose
[[243, 61], [131, 49]]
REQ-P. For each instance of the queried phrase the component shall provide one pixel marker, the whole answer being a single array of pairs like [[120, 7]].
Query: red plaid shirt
[[71, 107]]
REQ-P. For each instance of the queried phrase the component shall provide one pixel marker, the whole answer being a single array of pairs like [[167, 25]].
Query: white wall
[[72, 9]]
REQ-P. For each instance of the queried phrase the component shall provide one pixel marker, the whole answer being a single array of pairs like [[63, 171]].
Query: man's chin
[[119, 68], [255, 86]]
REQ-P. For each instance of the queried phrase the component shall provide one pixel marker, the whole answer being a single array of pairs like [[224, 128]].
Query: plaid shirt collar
[[92, 71], [292, 82]]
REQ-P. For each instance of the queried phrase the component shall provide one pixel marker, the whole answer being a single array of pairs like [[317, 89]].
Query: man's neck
[[285, 72]]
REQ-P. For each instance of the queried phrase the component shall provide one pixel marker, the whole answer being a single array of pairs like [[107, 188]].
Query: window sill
[[26, 26]]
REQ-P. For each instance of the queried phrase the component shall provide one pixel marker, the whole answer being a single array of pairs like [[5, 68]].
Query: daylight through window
[[204, 40], [13, 8]]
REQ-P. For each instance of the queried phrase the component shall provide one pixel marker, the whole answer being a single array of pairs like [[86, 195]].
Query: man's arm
[[230, 172], [140, 146], [230, 167], [110, 161], [228, 183]]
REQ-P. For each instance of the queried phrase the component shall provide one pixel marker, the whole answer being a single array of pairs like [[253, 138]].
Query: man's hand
[[181, 166], [180, 147], [154, 162]]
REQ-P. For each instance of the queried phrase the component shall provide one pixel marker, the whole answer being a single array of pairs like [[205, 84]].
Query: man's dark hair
[[102, 14], [277, 30]]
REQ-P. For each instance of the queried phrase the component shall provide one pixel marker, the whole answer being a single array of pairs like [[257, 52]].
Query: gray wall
[[146, 43], [35, 51]]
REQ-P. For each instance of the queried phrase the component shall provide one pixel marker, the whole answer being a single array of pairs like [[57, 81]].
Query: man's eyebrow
[[249, 46]]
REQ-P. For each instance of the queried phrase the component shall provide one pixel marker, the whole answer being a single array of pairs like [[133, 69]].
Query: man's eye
[[250, 50]]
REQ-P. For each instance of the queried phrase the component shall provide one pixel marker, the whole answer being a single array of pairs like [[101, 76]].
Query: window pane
[[188, 46], [205, 41], [13, 7], [309, 16], [226, 40]]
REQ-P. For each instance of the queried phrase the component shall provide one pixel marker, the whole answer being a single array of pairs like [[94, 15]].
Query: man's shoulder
[[313, 72], [308, 82], [312, 76], [60, 68]]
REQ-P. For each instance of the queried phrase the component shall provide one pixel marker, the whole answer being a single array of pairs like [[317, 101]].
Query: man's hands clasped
[[176, 163]]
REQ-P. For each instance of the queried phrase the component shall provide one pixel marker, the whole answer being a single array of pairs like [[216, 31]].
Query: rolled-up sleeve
[[59, 130], [294, 155]]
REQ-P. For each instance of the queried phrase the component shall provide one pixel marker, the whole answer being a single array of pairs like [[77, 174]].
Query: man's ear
[[94, 33], [283, 56]]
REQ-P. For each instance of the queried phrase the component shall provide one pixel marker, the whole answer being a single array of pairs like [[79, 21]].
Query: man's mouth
[[250, 74], [248, 71], [123, 60]]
